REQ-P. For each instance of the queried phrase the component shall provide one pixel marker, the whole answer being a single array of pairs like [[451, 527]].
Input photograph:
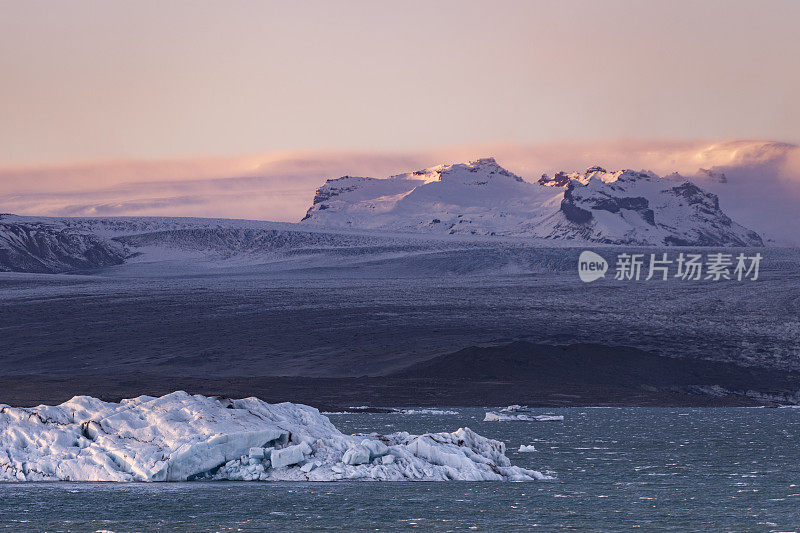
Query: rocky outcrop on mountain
[[629, 207], [482, 198]]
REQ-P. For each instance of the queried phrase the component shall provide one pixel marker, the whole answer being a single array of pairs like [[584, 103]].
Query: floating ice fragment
[[184, 437], [549, 418], [427, 412], [492, 416]]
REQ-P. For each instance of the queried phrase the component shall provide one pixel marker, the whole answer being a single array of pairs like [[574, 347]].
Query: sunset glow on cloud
[[280, 186], [154, 102]]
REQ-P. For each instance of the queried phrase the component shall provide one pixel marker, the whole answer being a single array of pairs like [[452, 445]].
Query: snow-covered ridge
[[180, 437], [54, 245], [443, 207], [482, 198], [41, 246]]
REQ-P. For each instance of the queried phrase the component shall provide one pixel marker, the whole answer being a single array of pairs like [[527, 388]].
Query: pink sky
[[87, 80], [141, 108], [762, 192]]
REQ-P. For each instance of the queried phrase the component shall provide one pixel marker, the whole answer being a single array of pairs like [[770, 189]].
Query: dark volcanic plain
[[351, 336]]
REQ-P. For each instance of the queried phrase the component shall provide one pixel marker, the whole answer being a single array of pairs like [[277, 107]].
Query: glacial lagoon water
[[617, 469]]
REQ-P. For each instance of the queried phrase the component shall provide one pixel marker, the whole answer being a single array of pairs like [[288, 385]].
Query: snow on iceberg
[[182, 437]]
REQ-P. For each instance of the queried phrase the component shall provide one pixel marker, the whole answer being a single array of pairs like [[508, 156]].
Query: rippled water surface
[[616, 469]]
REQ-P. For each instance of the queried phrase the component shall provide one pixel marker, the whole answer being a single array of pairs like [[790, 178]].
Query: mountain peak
[[477, 171], [483, 198], [484, 161]]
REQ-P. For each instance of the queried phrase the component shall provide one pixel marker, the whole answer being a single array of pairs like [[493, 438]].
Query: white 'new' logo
[[591, 266]]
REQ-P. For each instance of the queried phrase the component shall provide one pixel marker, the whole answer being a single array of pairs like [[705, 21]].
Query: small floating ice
[[392, 411], [527, 448], [182, 437], [517, 413], [428, 412]]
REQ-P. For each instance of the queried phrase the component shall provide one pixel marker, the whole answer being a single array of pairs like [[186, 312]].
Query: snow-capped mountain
[[479, 198], [628, 207], [407, 213], [482, 198]]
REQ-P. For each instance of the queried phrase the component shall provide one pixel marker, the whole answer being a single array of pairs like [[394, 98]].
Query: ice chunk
[[527, 448], [290, 455], [549, 418], [357, 455], [376, 448], [308, 467], [428, 412], [184, 437], [492, 416], [256, 453]]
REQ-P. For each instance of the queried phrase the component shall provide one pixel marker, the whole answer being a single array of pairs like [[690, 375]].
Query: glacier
[[180, 437]]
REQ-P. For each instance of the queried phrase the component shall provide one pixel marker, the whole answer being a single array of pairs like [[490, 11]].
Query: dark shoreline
[[537, 375], [332, 394]]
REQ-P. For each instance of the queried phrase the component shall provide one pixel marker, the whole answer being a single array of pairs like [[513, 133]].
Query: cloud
[[277, 186], [762, 189]]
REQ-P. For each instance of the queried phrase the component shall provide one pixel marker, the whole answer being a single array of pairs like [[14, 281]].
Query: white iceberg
[[181, 437], [500, 416], [527, 448], [428, 412]]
